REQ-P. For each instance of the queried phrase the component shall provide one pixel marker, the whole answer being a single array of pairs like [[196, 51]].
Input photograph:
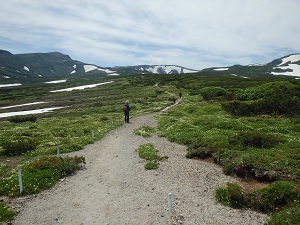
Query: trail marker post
[[93, 134], [137, 155], [20, 180], [170, 202], [58, 151]]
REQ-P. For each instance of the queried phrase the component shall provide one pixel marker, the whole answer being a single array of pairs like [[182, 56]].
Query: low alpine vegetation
[[150, 154], [5, 213], [280, 199], [145, 131], [40, 174]]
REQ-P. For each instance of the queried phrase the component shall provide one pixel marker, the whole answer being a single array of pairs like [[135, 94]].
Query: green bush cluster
[[5, 213], [210, 93], [40, 174], [276, 196], [18, 145], [151, 165], [232, 195], [149, 153], [280, 97], [255, 139], [22, 119], [145, 131], [280, 198], [288, 216], [198, 152]]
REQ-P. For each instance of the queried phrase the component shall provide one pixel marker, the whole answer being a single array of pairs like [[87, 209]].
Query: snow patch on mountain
[[290, 66], [9, 85], [29, 112], [221, 69], [294, 67], [82, 87], [55, 81], [291, 59], [26, 68], [26, 104], [89, 68]]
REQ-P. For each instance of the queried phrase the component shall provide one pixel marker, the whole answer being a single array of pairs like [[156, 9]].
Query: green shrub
[[145, 131], [40, 174], [104, 118], [5, 213], [232, 195], [18, 145], [151, 165], [237, 108], [210, 93], [288, 216], [280, 198], [255, 139], [199, 152], [148, 152], [21, 119], [276, 196]]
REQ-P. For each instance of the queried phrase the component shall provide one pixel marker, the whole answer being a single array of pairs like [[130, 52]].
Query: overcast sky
[[192, 33]]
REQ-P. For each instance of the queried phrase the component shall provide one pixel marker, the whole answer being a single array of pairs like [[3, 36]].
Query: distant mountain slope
[[37, 67], [286, 66], [153, 69], [54, 65]]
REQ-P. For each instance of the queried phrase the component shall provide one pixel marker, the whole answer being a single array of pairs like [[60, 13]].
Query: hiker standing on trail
[[126, 109], [180, 95]]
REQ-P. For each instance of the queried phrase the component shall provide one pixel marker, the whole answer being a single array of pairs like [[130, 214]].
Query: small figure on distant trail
[[126, 109], [180, 95]]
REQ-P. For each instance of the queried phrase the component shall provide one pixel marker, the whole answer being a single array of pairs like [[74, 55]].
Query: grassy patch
[[151, 165], [39, 174], [265, 147], [150, 154], [145, 131], [5, 213], [280, 199]]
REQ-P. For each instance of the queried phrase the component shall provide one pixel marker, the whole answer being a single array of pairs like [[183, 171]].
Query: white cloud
[[190, 33]]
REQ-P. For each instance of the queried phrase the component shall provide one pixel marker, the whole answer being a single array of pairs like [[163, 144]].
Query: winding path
[[115, 189]]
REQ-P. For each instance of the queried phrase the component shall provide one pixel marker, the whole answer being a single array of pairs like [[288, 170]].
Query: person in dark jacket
[[126, 109]]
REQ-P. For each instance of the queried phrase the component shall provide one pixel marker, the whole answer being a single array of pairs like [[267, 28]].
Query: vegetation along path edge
[[116, 189]]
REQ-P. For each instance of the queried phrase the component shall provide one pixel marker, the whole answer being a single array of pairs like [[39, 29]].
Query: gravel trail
[[115, 189]]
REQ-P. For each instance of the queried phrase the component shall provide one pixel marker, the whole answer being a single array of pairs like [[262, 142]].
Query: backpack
[[125, 108]]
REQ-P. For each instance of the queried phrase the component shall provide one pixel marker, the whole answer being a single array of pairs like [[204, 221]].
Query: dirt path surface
[[115, 189]]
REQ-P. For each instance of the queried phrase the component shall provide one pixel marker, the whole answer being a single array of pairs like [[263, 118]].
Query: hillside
[[17, 69], [36, 67], [286, 66]]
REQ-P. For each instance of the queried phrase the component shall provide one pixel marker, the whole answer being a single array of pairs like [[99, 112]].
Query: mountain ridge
[[55, 65], [288, 65], [36, 67]]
